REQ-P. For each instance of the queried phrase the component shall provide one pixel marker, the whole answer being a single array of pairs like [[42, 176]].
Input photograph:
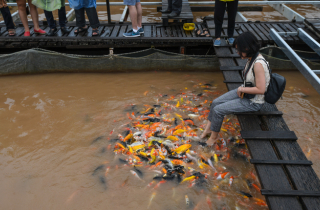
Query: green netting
[[41, 61]]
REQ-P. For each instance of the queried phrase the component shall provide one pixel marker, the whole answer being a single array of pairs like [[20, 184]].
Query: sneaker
[[217, 42], [141, 31], [131, 34], [230, 41]]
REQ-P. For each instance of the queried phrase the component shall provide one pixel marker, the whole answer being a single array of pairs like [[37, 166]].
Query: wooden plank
[[231, 68], [169, 31], [163, 32], [248, 27], [154, 31], [72, 34], [159, 32], [264, 31], [107, 32], [271, 176], [147, 31], [269, 135], [302, 177], [115, 31], [281, 162], [302, 193], [263, 37], [273, 113], [122, 30], [288, 27]]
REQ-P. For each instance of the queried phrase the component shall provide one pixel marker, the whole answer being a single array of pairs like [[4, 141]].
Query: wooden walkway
[[286, 176], [156, 35], [185, 16], [314, 25]]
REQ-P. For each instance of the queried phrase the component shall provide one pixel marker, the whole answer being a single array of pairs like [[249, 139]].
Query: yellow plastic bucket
[[188, 26]]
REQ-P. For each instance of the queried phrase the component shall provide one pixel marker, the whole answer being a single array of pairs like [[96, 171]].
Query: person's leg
[[50, 19], [80, 18], [93, 17], [7, 17], [219, 10], [23, 14], [232, 106], [62, 17], [232, 13], [139, 14], [34, 15], [177, 6], [133, 16], [231, 95]]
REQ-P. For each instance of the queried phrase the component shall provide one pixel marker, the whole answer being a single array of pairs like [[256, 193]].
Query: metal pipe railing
[[207, 3]]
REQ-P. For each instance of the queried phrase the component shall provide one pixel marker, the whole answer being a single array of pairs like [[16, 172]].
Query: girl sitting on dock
[[249, 96]]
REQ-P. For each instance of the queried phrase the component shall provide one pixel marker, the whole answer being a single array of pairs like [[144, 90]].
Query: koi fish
[[152, 197], [178, 131], [188, 179], [187, 200], [230, 181], [136, 175], [182, 148], [222, 176]]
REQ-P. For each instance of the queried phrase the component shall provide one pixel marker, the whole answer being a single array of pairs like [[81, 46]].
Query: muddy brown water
[[49, 121]]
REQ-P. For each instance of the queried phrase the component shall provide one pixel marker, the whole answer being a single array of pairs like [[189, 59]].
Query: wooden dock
[[156, 35], [286, 176]]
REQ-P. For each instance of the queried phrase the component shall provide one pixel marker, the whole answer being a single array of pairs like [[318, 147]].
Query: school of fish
[[164, 138]]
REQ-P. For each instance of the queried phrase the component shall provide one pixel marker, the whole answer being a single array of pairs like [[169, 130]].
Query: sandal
[[96, 31], [80, 30], [205, 33], [12, 32], [198, 32]]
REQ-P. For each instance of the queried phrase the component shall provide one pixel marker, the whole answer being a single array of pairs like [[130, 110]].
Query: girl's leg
[[23, 14], [231, 95], [34, 15], [232, 106]]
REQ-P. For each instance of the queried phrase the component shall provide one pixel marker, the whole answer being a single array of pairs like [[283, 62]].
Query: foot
[[52, 32], [12, 32], [204, 134], [95, 32], [141, 31], [211, 140], [165, 11], [81, 29], [65, 30], [230, 41], [131, 34], [217, 42], [27, 34], [173, 14], [40, 31]]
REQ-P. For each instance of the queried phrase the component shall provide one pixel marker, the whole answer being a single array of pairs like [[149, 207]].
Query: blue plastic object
[[78, 4]]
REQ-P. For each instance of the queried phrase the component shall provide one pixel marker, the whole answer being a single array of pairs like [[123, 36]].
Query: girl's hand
[[239, 92]]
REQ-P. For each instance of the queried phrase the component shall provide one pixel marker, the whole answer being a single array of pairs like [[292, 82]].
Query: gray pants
[[226, 104]]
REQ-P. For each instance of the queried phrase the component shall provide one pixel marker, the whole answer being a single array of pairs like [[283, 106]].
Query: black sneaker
[[52, 32]]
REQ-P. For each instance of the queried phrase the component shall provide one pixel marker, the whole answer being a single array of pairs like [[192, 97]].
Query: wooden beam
[[290, 193], [268, 135], [281, 162]]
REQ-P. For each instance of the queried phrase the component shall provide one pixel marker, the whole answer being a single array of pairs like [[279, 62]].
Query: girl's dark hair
[[247, 43]]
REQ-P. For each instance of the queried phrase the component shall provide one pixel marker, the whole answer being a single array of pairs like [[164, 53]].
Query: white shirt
[[259, 98]]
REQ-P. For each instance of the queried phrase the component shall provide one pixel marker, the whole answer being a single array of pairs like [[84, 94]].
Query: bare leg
[[139, 14], [213, 138], [23, 14], [133, 16], [206, 130], [34, 15]]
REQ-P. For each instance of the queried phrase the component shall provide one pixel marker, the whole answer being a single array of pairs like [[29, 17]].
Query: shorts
[[130, 2]]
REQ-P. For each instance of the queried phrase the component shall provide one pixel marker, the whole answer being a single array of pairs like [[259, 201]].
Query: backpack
[[276, 86]]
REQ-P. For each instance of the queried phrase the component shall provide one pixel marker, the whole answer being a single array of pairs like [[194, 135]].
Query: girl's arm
[[260, 79]]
